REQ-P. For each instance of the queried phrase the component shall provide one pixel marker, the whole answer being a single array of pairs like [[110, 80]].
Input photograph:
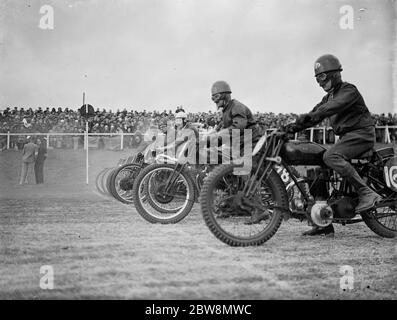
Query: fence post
[[324, 142], [122, 140], [8, 140], [387, 134], [311, 134], [48, 140], [85, 140]]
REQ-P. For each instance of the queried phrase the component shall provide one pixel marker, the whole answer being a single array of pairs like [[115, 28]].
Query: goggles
[[321, 76], [216, 97]]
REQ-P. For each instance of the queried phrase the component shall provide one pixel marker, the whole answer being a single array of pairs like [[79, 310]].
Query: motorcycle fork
[[172, 178], [253, 185], [301, 190], [196, 182]]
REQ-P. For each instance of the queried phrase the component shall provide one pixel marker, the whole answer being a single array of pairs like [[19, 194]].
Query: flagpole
[[86, 138]]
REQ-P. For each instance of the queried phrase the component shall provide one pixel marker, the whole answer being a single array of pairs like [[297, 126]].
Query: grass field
[[101, 248]]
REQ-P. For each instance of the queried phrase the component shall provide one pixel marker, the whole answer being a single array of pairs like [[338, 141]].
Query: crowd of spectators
[[66, 120]]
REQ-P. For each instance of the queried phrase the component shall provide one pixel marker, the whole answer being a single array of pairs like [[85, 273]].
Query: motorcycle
[[248, 209], [102, 180], [165, 191], [121, 179]]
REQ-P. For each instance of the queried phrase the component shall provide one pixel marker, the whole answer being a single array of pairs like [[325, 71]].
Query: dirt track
[[100, 248]]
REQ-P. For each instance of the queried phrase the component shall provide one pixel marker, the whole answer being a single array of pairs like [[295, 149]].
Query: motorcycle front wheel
[[234, 229], [104, 183], [154, 202], [98, 181], [121, 182]]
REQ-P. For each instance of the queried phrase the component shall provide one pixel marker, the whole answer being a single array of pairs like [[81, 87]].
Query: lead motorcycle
[[243, 209]]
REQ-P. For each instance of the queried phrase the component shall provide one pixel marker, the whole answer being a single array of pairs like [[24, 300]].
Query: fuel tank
[[303, 153]]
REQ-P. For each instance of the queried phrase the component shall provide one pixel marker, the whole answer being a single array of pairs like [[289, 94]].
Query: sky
[[158, 54]]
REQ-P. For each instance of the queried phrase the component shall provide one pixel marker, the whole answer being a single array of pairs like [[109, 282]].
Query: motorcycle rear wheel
[[382, 221]]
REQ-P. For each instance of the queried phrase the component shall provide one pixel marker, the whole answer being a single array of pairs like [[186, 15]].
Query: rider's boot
[[317, 231], [366, 197]]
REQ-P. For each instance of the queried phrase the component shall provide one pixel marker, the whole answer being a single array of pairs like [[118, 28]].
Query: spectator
[[55, 120], [39, 164], [29, 154]]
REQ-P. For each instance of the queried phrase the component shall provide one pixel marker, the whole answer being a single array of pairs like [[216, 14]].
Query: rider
[[169, 133], [184, 131], [351, 120], [235, 115], [181, 123]]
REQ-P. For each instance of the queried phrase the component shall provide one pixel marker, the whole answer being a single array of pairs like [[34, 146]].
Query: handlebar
[[279, 132]]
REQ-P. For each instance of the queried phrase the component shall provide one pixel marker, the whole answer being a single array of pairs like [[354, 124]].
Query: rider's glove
[[303, 118], [292, 128], [309, 119]]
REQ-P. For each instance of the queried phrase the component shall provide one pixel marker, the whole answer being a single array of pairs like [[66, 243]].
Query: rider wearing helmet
[[183, 132], [182, 124], [235, 115], [351, 120], [180, 119]]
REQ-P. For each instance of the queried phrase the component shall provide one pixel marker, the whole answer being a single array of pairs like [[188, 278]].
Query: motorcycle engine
[[321, 213], [318, 179]]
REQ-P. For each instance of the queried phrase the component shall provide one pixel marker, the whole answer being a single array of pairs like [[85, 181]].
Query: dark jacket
[[237, 116], [29, 151], [345, 108], [42, 153]]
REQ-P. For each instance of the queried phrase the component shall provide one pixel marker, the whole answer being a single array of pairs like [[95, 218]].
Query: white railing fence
[[324, 135], [114, 140]]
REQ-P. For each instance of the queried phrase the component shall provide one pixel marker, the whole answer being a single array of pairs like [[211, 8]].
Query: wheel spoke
[[160, 204], [235, 223]]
